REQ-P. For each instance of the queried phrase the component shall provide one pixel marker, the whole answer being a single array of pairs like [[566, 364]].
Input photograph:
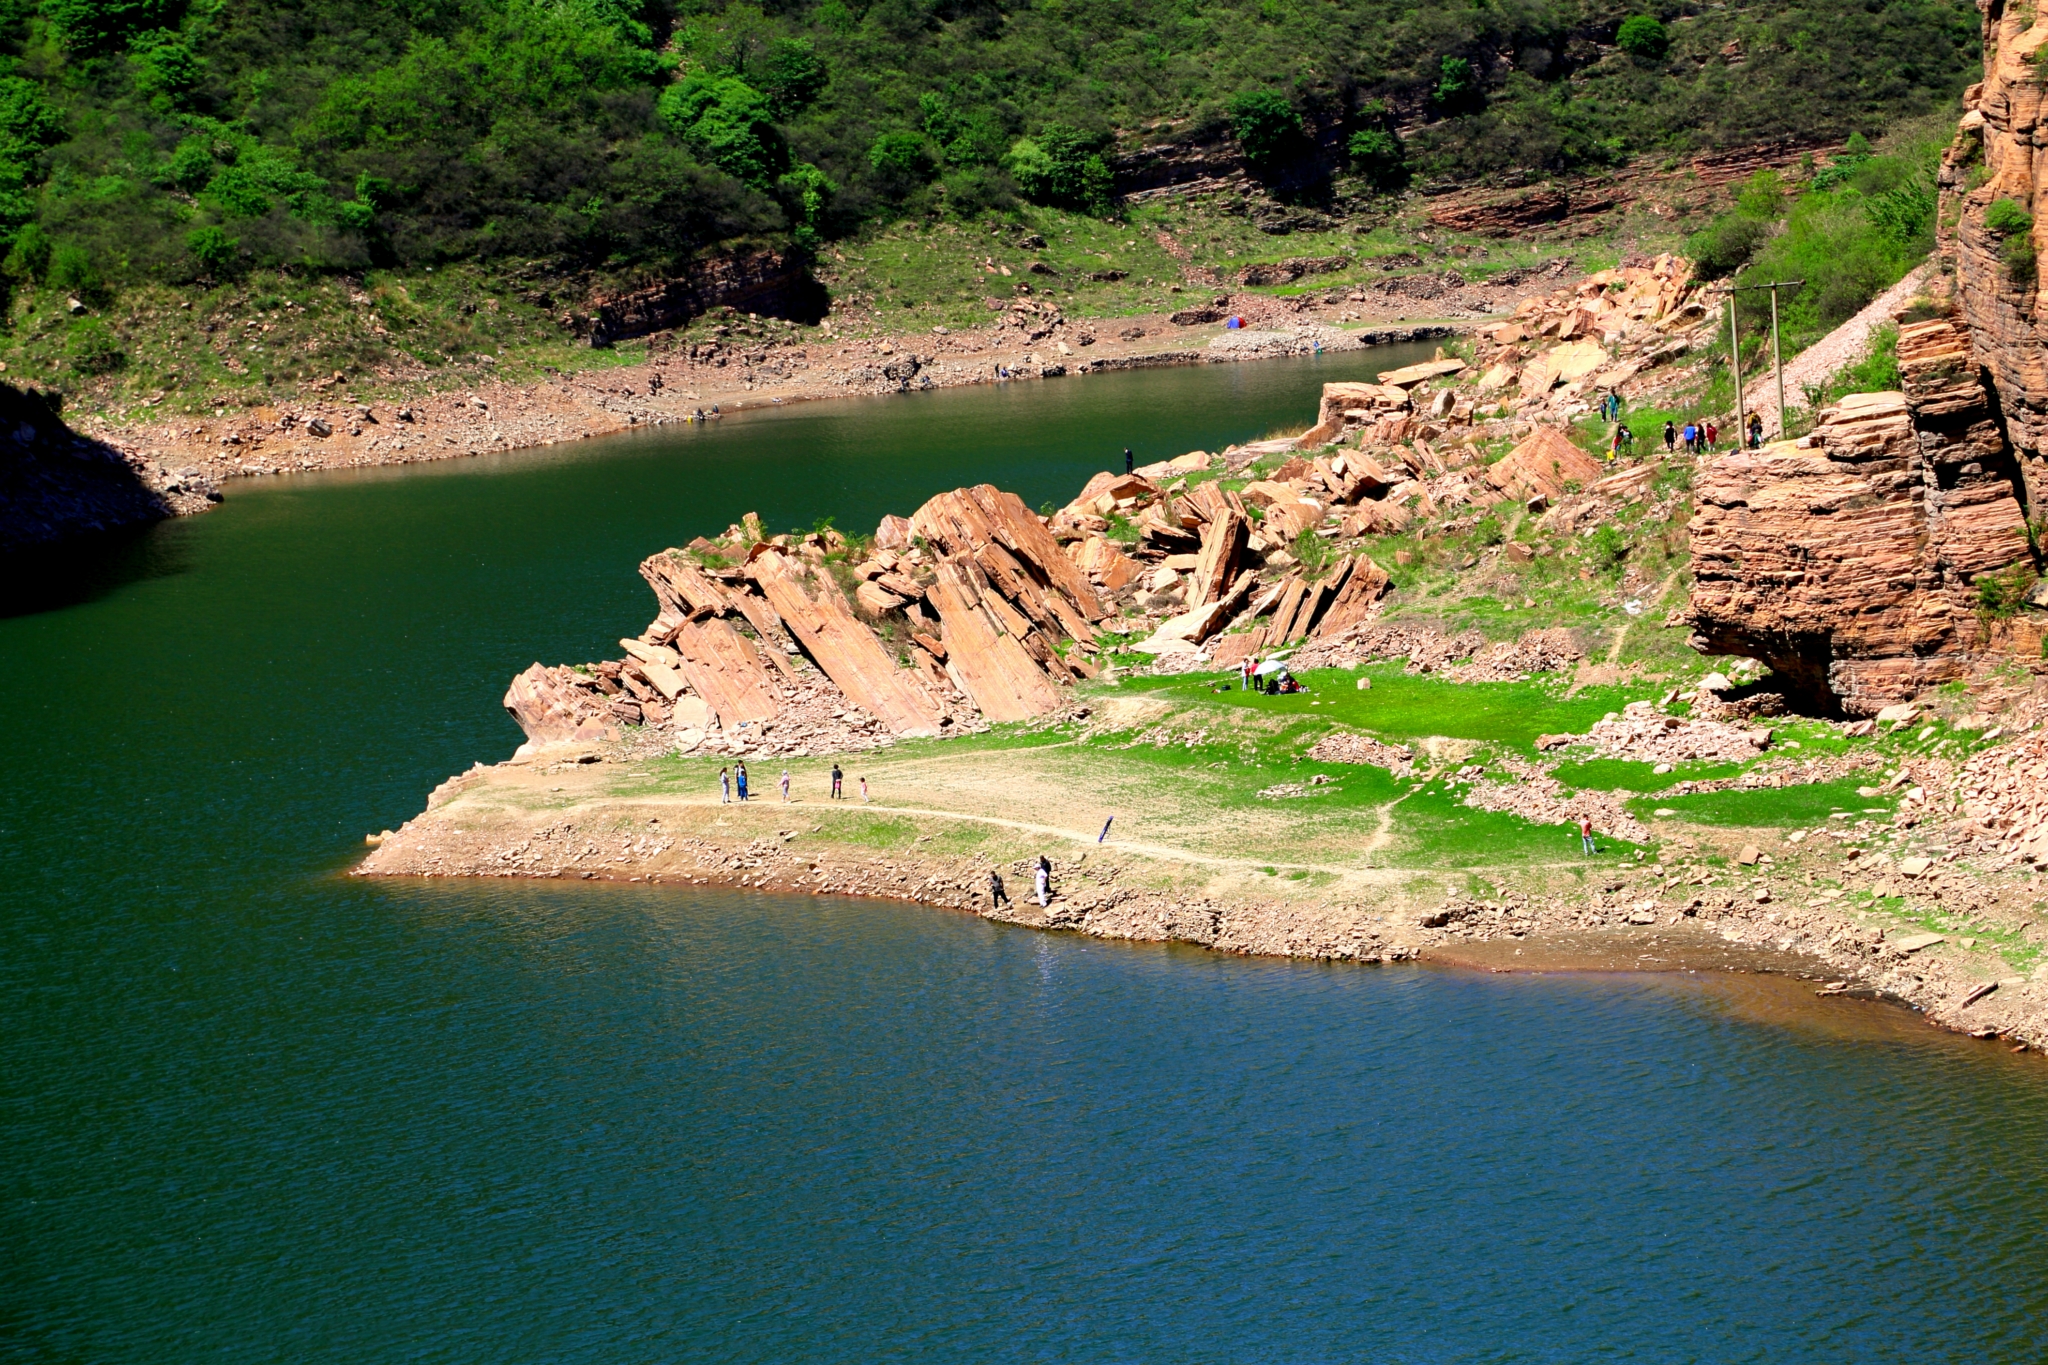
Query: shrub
[[1725, 245], [806, 192], [93, 349], [2003, 595], [731, 123], [1266, 126], [793, 77], [1377, 155], [2019, 258], [901, 157], [1062, 166], [213, 249], [1457, 87], [1608, 546], [1488, 531], [101, 25], [2006, 218], [73, 270], [1313, 552], [28, 256], [1643, 38]]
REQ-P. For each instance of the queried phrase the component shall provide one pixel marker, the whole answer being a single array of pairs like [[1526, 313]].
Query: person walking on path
[[724, 787], [739, 779], [1586, 844], [1044, 875], [863, 790], [996, 895], [1713, 435], [835, 782], [1670, 437], [785, 784], [1756, 431]]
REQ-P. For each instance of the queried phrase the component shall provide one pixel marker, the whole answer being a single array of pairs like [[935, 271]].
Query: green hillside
[[177, 141]]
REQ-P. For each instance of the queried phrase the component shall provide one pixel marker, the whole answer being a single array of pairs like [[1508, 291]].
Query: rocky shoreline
[[1762, 915], [758, 363]]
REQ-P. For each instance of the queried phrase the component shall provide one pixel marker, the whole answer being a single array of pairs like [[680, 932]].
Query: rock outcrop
[[1868, 562], [56, 485], [1998, 289], [981, 614], [1849, 560]]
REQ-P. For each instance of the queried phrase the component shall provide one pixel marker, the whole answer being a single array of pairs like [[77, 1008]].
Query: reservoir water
[[251, 1110]]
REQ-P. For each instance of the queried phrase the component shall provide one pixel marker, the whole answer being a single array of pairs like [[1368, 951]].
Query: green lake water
[[252, 1110]]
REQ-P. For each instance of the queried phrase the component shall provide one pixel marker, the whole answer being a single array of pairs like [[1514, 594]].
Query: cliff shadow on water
[[72, 509]]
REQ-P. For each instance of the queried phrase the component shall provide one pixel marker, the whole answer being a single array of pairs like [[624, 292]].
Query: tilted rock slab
[[817, 614]]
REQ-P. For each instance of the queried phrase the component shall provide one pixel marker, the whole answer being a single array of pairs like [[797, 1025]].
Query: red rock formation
[[984, 653], [554, 705], [1848, 562], [816, 613], [1995, 156], [1544, 463]]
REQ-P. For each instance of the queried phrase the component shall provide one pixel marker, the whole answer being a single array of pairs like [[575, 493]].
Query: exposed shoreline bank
[[429, 423], [544, 818]]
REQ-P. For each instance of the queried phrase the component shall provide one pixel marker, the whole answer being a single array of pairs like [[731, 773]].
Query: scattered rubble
[[1643, 734]]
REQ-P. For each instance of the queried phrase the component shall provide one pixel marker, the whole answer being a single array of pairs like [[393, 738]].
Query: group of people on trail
[[1041, 874], [733, 782], [1694, 437]]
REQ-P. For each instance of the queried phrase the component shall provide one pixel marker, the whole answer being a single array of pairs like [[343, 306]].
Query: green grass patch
[[1808, 804], [1435, 828], [1617, 774], [1405, 706]]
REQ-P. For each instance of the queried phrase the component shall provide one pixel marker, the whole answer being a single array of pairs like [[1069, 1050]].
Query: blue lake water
[[255, 1111]]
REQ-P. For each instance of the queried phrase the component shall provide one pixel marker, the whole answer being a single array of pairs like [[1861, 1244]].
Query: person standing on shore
[[996, 895], [1044, 876], [785, 784], [835, 782], [739, 779], [724, 787], [1586, 844], [1127, 459]]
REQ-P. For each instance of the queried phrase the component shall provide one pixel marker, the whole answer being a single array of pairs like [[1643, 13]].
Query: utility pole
[[1777, 359], [1777, 363], [1735, 368]]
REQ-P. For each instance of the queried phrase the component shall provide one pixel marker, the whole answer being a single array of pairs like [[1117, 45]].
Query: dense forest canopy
[[185, 139]]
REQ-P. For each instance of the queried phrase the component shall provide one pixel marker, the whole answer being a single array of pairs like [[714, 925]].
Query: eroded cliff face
[[1998, 153], [1848, 561], [1853, 562]]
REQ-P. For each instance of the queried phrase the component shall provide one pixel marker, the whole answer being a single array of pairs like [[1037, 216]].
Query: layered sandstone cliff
[[1867, 562], [1998, 154], [1849, 560]]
